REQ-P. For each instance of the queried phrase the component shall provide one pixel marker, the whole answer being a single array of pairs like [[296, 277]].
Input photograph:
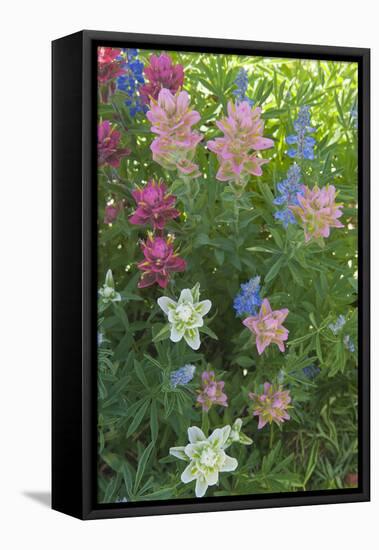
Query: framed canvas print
[[210, 274]]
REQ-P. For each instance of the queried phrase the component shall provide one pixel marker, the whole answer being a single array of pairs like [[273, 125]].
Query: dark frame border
[[85, 448]]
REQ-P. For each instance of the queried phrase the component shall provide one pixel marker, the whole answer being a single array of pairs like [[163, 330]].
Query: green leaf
[[266, 193], [110, 492], [318, 348], [130, 296], [312, 462], [296, 274], [266, 249], [163, 334], [219, 255], [154, 420], [140, 373], [142, 465], [206, 330], [138, 417], [128, 478], [122, 316], [274, 270], [113, 460], [244, 361]]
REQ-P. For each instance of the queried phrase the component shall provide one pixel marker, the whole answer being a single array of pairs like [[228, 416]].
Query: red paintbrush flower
[[107, 55], [108, 150], [161, 73], [154, 205], [160, 261], [108, 69]]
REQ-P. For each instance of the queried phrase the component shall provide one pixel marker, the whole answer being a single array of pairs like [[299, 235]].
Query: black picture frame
[[75, 286]]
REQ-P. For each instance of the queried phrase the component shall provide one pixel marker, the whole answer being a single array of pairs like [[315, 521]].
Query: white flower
[[186, 315], [236, 436], [107, 292], [207, 458]]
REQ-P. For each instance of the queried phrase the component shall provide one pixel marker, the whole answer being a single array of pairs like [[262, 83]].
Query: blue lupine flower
[[248, 300], [311, 371], [349, 344], [288, 190], [131, 81], [242, 83], [305, 143], [131, 53], [182, 376], [285, 216], [337, 326]]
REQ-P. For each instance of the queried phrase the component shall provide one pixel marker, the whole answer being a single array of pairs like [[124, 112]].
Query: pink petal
[[259, 143], [265, 308]]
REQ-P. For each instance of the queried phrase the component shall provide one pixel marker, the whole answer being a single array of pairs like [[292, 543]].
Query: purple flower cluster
[[248, 300], [242, 82], [182, 376], [271, 405], [303, 143], [288, 190], [131, 80], [211, 392]]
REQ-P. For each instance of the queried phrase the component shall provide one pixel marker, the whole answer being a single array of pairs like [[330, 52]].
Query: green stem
[[189, 192], [236, 217], [205, 423], [271, 435]]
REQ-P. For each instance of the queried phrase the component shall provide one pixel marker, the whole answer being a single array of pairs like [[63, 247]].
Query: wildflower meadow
[[227, 275]]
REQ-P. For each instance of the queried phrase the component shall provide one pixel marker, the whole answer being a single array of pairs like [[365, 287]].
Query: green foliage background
[[226, 240]]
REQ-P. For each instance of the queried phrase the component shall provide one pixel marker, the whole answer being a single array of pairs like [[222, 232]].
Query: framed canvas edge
[[90, 510]]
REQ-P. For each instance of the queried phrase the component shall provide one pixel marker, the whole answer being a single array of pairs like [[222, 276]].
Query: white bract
[[107, 292], [236, 436], [186, 315], [206, 456]]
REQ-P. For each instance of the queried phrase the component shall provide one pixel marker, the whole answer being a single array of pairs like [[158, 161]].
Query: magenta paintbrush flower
[[271, 405], [161, 73], [154, 205], [172, 120], [243, 136], [107, 55], [112, 211], [108, 69], [108, 150], [211, 392], [160, 261], [267, 327], [317, 211]]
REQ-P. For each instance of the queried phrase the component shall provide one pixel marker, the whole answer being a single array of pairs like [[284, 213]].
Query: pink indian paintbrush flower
[[271, 405], [267, 327], [317, 211], [108, 69], [161, 73], [243, 136], [211, 392], [160, 261], [108, 150], [172, 120], [154, 205]]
